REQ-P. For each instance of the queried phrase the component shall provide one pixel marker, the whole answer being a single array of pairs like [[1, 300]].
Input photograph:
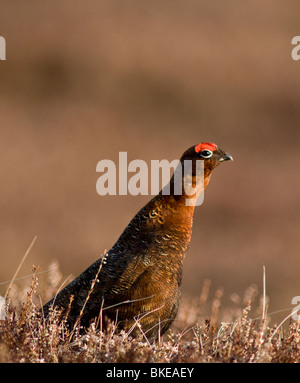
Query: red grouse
[[136, 284]]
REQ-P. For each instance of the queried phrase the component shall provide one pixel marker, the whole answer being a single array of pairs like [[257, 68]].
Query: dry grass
[[199, 333]]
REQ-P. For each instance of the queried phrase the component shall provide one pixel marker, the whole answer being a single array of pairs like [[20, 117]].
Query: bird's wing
[[119, 271]]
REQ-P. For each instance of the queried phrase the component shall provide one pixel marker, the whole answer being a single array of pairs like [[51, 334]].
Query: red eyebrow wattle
[[205, 145]]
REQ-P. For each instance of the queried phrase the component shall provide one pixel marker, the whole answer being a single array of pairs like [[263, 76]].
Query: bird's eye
[[206, 153]]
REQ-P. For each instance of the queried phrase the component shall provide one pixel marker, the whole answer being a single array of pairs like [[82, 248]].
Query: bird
[[136, 285]]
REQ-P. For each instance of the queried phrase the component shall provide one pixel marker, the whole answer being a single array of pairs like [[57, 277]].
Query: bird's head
[[208, 152], [198, 162]]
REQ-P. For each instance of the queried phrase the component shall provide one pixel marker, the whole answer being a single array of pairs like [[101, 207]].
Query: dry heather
[[26, 337]]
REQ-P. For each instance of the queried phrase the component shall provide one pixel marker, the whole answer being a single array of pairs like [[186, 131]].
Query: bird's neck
[[187, 184]]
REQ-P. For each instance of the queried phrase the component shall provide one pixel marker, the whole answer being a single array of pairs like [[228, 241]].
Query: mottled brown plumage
[[140, 276]]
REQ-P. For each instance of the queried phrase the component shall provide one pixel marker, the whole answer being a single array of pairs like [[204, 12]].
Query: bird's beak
[[226, 157]]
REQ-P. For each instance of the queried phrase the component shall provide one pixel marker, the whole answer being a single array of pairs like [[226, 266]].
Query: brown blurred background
[[85, 80]]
